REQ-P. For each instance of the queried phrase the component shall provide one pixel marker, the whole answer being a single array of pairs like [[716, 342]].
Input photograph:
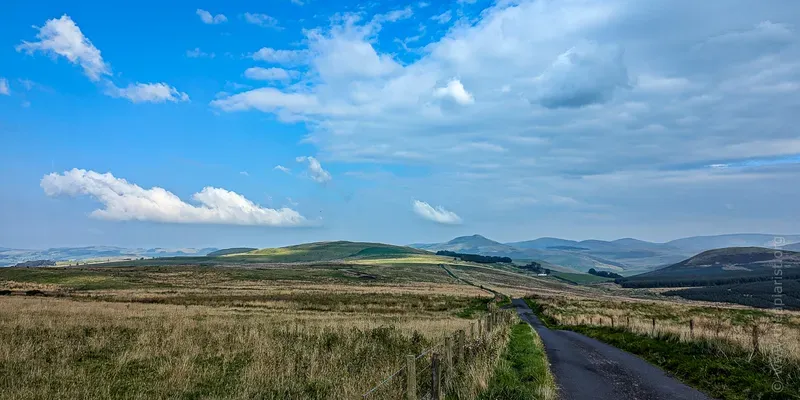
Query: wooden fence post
[[411, 377], [489, 323], [629, 321], [436, 377], [472, 331], [612, 321], [654, 327], [691, 328], [480, 330]]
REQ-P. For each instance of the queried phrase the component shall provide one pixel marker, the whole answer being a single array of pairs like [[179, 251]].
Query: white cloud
[[455, 90], [208, 18], [244, 173], [289, 57], [197, 53], [297, 2], [444, 17], [282, 169], [4, 87], [148, 93], [315, 170], [269, 74], [268, 100], [124, 201], [436, 214], [262, 20], [63, 37]]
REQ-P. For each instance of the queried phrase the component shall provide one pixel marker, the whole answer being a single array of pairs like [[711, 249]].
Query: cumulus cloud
[[4, 87], [124, 201], [262, 20], [581, 76], [454, 90], [62, 37], [315, 170], [208, 18], [436, 214], [269, 74], [148, 93]]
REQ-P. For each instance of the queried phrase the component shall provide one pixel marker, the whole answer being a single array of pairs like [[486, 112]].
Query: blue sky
[[262, 124]]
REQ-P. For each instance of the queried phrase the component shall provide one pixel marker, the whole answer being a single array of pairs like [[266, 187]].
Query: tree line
[[474, 257], [604, 274]]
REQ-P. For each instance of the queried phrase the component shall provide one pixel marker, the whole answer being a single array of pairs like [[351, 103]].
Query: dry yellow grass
[[60, 348]]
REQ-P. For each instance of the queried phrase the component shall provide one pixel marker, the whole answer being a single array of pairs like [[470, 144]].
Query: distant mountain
[[544, 243], [475, 244], [15, 256], [721, 266], [626, 256], [701, 243]]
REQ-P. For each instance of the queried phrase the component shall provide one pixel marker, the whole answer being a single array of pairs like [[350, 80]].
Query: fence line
[[437, 374]]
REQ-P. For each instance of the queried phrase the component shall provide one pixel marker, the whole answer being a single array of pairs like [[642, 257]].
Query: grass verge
[[721, 371], [523, 371]]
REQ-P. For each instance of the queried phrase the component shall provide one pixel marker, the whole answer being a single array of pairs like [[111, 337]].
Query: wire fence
[[437, 371]]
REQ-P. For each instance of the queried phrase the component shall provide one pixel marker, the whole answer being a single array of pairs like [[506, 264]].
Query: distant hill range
[[626, 256], [15, 256], [722, 266]]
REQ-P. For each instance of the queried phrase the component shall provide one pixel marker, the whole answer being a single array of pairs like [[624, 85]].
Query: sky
[[197, 123]]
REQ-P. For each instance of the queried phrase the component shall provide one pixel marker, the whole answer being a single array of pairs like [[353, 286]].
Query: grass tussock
[[523, 371]]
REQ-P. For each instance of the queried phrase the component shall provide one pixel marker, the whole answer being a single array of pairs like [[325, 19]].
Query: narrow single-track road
[[587, 369]]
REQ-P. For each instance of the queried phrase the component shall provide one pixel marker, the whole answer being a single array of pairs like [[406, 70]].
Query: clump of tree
[[604, 274], [534, 266], [474, 257]]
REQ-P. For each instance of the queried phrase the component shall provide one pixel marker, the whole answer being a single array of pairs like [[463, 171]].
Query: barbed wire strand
[[384, 382]]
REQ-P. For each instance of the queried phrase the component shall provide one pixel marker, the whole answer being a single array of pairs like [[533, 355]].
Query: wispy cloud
[[282, 169], [262, 20], [197, 53], [4, 87], [315, 170], [436, 214], [148, 93]]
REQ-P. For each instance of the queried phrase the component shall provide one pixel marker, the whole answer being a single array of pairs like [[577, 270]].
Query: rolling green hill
[[232, 250], [330, 251], [721, 266]]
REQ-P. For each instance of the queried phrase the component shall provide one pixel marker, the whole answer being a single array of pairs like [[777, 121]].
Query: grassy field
[[711, 347], [523, 371], [321, 330]]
